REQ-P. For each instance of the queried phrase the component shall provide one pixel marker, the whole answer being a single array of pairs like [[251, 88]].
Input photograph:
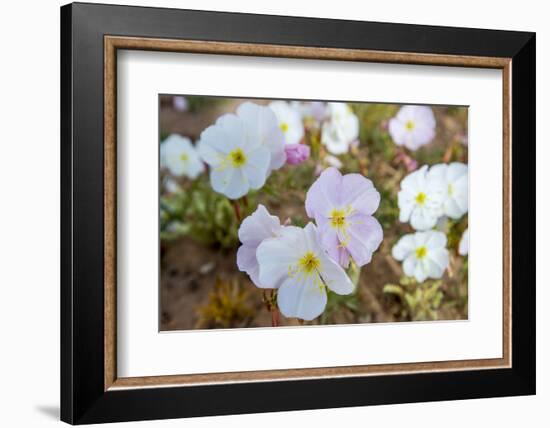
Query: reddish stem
[[237, 209], [275, 319]]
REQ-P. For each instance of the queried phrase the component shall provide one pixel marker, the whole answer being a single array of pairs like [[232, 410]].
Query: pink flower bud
[[296, 153]]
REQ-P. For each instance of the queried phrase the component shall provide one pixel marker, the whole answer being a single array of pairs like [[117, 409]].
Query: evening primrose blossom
[[341, 129], [454, 180], [296, 265], [238, 159], [180, 157], [413, 126], [342, 206], [423, 254], [254, 229], [290, 121], [315, 110], [420, 200]]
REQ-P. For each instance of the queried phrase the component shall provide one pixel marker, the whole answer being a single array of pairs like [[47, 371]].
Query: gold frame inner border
[[113, 43]]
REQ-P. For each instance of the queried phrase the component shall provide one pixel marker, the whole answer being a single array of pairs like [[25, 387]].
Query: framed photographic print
[[266, 213]]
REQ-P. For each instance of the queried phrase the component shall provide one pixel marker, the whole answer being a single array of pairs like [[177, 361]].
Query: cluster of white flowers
[[339, 125], [243, 149], [427, 195], [301, 263]]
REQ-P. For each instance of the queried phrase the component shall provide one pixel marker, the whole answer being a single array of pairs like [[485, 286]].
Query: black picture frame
[[83, 398]]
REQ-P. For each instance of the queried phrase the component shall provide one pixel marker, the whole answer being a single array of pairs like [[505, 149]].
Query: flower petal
[[435, 240], [276, 255], [409, 265], [229, 181], [440, 257], [359, 192], [247, 262], [258, 226], [324, 193], [262, 122], [420, 272], [404, 247], [365, 236], [464, 244], [328, 237], [301, 297], [334, 276], [422, 218], [257, 166], [233, 133]]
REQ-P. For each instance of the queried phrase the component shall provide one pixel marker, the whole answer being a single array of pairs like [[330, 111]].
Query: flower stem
[[237, 209], [271, 305], [275, 318], [354, 273]]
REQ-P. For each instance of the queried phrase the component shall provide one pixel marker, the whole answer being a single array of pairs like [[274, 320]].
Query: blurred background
[[200, 284]]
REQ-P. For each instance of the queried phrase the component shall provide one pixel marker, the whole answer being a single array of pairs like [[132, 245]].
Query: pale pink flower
[[413, 126], [253, 230], [342, 207]]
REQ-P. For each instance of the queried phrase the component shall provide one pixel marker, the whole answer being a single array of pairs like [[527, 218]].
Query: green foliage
[[197, 103], [227, 306], [336, 303], [420, 301], [201, 213]]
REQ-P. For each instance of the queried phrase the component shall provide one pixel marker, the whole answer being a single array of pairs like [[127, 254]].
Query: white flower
[[180, 157], [464, 245], [296, 265], [238, 159], [315, 110], [341, 129], [419, 200], [333, 161], [253, 230], [454, 179], [261, 123], [290, 121], [171, 186], [413, 126], [423, 254]]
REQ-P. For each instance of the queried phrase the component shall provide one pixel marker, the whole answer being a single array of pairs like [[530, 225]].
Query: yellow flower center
[[184, 157], [238, 158], [409, 125], [284, 126], [309, 263], [338, 219], [450, 189], [420, 198], [421, 252]]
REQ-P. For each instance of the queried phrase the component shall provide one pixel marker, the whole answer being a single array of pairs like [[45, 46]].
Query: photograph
[[278, 212]]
